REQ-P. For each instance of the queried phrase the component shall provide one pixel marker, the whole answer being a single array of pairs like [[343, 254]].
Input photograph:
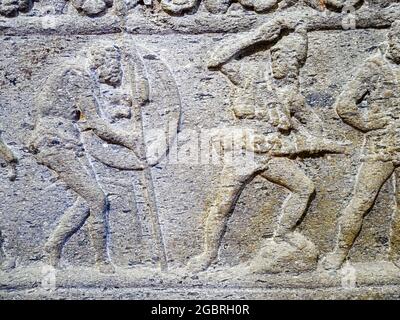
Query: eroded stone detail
[[9, 157], [94, 107], [114, 186], [67, 107], [92, 7], [98, 8], [11, 8], [370, 103], [261, 6], [291, 129]]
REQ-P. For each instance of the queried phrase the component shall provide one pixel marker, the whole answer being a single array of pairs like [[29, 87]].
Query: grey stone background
[[31, 206]]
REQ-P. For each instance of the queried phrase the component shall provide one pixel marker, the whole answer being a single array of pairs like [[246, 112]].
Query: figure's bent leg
[[84, 184], [70, 223], [230, 187], [286, 173], [394, 249], [371, 177], [78, 177]]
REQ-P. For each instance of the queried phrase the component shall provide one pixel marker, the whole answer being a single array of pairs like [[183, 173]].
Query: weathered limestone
[[248, 148]]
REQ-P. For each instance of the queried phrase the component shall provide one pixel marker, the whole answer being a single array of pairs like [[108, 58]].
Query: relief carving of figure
[[290, 129], [371, 104], [67, 107]]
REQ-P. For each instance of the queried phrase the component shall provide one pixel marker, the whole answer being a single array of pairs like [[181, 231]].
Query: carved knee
[[307, 189]]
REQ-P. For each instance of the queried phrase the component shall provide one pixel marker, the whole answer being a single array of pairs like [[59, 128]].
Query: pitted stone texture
[[117, 121]]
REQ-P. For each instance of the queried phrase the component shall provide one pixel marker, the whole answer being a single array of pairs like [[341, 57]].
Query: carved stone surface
[[199, 149]]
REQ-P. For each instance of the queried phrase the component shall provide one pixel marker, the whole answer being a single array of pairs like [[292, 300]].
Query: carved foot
[[199, 263], [290, 252], [333, 260]]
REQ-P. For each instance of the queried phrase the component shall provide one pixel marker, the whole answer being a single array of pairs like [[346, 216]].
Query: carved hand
[[266, 143], [313, 145], [279, 119]]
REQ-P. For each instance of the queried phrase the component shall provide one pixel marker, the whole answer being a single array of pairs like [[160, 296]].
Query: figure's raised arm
[[268, 32], [104, 130]]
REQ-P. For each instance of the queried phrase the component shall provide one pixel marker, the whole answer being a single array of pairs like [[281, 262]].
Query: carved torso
[[56, 126], [383, 98]]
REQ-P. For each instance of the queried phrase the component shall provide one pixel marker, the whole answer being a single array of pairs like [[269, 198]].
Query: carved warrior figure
[[221, 6], [10, 158], [11, 8], [289, 126], [68, 106], [371, 104]]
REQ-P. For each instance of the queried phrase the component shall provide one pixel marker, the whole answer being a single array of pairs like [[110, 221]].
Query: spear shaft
[[140, 92]]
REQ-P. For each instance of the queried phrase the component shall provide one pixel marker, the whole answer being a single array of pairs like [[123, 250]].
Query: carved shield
[[156, 112]]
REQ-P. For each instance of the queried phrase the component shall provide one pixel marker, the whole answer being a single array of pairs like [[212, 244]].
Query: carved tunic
[[59, 111], [371, 103]]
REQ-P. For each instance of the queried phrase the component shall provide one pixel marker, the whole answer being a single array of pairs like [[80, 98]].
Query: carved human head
[[106, 62], [289, 54], [393, 50]]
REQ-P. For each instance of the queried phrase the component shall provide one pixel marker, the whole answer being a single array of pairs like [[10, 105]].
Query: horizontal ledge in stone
[[367, 274], [190, 24], [156, 293]]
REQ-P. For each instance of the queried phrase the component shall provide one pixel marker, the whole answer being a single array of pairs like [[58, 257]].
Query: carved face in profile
[[106, 62], [394, 42]]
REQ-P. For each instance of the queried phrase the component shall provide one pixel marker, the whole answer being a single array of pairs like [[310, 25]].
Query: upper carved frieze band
[[21, 17]]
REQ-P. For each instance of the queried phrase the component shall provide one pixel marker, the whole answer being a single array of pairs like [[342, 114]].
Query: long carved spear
[[140, 92]]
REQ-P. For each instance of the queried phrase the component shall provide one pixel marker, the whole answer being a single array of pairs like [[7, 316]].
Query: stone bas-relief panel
[[253, 160]]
